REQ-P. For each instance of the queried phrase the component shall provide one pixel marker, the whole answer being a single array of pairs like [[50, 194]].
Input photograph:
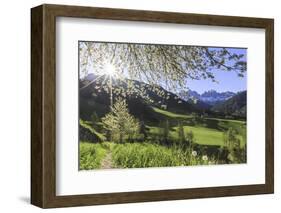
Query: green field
[[207, 131], [171, 115]]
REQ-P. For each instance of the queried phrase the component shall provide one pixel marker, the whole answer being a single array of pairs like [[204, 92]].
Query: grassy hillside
[[93, 99], [89, 133], [207, 131]]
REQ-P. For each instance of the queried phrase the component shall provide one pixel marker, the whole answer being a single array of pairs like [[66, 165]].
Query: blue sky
[[227, 81]]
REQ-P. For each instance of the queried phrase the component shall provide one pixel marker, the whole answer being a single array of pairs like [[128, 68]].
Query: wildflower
[[204, 157], [194, 153]]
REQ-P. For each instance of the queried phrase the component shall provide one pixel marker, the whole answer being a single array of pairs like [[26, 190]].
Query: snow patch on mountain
[[210, 97]]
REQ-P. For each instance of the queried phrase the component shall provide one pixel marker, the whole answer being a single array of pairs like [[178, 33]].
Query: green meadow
[[208, 134]]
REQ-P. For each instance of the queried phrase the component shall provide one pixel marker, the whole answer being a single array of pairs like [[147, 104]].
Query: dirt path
[[106, 163]]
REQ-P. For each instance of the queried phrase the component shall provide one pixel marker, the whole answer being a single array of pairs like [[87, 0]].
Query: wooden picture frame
[[43, 105]]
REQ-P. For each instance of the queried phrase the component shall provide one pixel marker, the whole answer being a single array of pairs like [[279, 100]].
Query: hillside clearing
[[170, 114]]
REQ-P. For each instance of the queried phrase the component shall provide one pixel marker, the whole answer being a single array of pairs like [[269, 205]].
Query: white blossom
[[194, 153], [204, 157]]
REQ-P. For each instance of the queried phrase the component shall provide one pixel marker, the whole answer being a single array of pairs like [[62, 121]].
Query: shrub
[[233, 144]]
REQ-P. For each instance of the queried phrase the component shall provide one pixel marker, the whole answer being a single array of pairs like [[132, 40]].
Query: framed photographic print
[[136, 106]]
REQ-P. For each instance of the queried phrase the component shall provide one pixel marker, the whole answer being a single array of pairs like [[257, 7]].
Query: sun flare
[[109, 69]]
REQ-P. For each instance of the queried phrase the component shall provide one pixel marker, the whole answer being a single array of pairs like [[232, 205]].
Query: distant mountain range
[[93, 99], [211, 97]]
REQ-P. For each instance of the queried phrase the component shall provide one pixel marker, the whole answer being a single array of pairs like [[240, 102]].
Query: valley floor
[[208, 145]]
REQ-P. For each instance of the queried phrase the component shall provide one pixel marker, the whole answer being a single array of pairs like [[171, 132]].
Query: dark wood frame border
[[43, 105]]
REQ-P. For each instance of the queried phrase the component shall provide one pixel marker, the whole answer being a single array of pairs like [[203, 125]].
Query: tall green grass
[[143, 155], [91, 155]]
